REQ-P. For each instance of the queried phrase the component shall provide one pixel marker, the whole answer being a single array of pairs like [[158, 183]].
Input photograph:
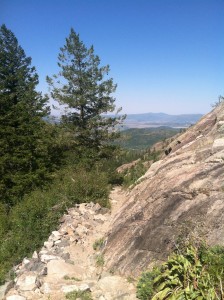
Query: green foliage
[[143, 138], [81, 85], [28, 153], [100, 260], [196, 273], [134, 173], [66, 277], [82, 295], [98, 244], [37, 214], [145, 287]]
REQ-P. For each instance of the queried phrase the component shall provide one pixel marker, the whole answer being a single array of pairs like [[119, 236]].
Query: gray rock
[[65, 256], [35, 266], [63, 243]]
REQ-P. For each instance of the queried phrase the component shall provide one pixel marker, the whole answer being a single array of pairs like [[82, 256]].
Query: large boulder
[[181, 193]]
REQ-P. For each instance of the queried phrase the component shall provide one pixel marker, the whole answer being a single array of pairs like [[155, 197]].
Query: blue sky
[[165, 55]]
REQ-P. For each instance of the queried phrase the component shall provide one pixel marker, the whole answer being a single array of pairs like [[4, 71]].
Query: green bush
[[98, 244], [30, 222], [85, 295], [196, 273], [145, 284], [134, 173]]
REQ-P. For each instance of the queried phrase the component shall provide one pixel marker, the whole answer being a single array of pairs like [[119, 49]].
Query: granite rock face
[[184, 191]]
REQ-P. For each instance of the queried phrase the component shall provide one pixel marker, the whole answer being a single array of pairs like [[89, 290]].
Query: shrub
[[100, 260], [145, 284], [83, 295], [98, 244], [196, 273], [30, 222]]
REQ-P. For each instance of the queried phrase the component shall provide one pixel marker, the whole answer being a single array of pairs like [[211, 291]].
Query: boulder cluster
[[70, 262]]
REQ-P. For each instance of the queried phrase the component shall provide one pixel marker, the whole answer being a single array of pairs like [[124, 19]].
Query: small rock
[[35, 266], [45, 257], [48, 245], [55, 236], [69, 288], [81, 230], [100, 217], [27, 282], [25, 261], [62, 244], [84, 287], [96, 207]]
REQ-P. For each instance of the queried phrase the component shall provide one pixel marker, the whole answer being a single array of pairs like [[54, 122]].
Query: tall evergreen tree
[[25, 158], [81, 86]]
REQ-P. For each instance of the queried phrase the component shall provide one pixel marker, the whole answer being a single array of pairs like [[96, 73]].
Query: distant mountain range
[[147, 120]]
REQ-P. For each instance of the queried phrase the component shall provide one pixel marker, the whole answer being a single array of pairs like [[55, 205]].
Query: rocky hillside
[[179, 194], [71, 264]]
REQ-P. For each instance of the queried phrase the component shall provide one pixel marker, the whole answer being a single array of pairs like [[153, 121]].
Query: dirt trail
[[83, 226]]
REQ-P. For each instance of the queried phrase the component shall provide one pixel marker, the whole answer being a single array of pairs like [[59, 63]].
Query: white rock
[[69, 288], [45, 258], [49, 244], [27, 282], [57, 242], [100, 217], [220, 123], [55, 236], [218, 145], [25, 261], [45, 288], [82, 208], [3, 289], [84, 287], [35, 255], [15, 297]]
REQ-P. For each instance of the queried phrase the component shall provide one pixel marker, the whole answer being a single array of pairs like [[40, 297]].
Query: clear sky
[[165, 55]]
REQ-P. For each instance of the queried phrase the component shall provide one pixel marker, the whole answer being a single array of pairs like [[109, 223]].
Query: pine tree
[[25, 158], [80, 85]]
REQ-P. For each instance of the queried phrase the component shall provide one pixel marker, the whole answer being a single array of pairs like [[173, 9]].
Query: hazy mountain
[[147, 120], [160, 119]]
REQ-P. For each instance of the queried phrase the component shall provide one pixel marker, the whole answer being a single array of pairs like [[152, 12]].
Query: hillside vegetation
[[47, 167], [143, 138], [44, 167]]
